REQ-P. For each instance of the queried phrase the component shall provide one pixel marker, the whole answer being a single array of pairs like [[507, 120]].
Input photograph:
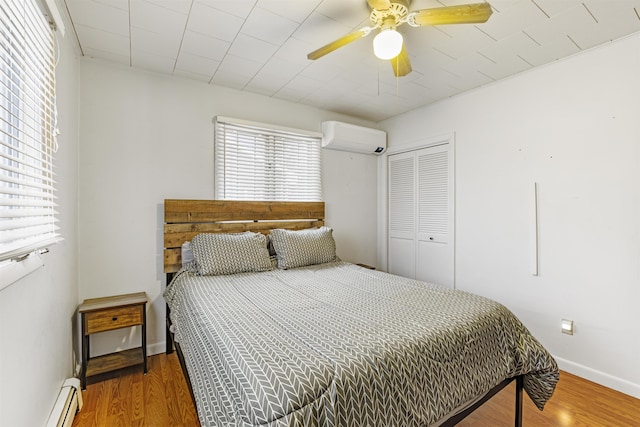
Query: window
[[27, 130], [254, 161]]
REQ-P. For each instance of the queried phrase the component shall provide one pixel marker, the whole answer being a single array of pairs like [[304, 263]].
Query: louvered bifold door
[[434, 204], [402, 221]]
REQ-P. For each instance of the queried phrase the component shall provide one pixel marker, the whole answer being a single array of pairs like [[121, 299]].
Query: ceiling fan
[[387, 15]]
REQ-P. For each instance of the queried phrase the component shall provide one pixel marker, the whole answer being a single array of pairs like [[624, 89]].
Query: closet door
[[402, 236], [434, 231], [421, 234]]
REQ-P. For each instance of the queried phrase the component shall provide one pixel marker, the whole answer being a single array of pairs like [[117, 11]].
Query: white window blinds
[[27, 129], [257, 162]]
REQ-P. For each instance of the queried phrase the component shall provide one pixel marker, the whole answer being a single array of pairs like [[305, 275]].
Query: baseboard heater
[[69, 402]]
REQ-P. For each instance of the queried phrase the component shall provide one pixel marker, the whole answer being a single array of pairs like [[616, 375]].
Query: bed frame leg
[[169, 348], [519, 387], [167, 322], [169, 336]]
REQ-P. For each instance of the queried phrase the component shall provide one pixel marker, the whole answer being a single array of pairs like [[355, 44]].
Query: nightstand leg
[[144, 337], [85, 356]]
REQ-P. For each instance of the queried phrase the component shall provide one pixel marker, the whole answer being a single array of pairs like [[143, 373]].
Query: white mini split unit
[[356, 139]]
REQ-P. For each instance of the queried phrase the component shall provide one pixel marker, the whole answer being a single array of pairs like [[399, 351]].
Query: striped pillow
[[217, 254], [303, 247]]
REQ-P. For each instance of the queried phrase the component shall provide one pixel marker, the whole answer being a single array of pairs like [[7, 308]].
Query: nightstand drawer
[[105, 320]]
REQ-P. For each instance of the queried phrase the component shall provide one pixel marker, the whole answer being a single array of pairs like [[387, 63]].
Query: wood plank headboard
[[183, 219]]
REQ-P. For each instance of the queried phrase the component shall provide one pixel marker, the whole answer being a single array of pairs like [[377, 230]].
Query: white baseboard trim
[[618, 384], [156, 348]]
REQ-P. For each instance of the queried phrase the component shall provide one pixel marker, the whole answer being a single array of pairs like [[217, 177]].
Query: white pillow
[[187, 254]]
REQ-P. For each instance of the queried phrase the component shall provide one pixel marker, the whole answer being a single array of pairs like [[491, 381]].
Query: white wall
[[147, 137], [37, 313], [571, 126]]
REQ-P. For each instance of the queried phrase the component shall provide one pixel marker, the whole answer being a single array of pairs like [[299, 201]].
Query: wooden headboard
[[183, 219]]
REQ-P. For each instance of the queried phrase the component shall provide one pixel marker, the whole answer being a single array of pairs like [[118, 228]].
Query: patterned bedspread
[[339, 345]]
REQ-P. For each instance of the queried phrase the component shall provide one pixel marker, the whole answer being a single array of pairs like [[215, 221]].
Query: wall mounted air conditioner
[[356, 139]]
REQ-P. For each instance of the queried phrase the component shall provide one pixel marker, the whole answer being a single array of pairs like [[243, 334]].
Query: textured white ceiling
[[261, 45]]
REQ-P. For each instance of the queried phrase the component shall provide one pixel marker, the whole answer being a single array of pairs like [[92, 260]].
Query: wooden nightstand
[[106, 314]]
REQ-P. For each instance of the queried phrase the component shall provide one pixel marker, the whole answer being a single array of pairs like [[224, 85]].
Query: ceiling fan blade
[[379, 4], [342, 41], [476, 13], [401, 64]]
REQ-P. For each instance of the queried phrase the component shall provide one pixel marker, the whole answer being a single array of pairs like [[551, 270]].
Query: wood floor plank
[[137, 401], [183, 396], [120, 396], [102, 407], [155, 411], [173, 407], [184, 410], [162, 398]]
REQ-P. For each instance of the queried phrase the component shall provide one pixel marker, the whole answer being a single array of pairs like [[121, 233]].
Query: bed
[[321, 342]]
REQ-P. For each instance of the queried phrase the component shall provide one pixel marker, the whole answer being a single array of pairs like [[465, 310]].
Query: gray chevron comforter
[[339, 345]]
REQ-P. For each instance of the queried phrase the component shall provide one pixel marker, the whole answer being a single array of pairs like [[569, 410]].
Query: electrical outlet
[[567, 327]]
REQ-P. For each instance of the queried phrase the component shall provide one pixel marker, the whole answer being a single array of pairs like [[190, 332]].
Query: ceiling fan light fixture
[[387, 44]]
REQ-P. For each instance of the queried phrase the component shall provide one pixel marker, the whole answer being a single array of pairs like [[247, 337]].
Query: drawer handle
[[114, 318]]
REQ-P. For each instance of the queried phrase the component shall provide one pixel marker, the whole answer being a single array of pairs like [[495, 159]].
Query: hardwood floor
[[130, 398], [161, 398], [575, 402]]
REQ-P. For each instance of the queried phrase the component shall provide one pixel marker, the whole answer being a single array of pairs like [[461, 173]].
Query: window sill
[[12, 271]]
